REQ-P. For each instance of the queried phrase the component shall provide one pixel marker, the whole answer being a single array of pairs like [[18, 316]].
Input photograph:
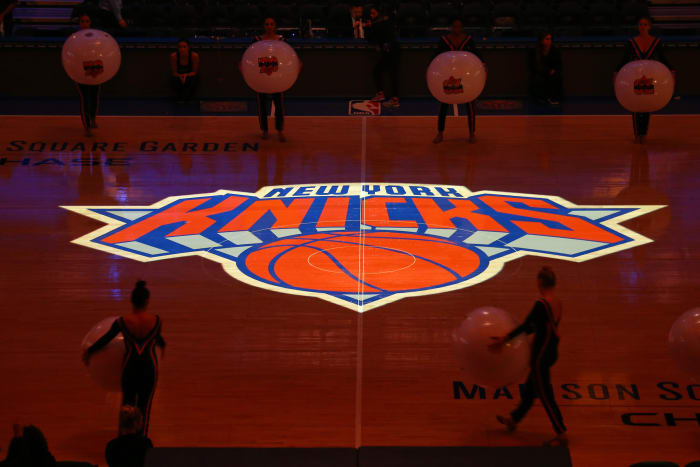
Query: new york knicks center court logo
[[362, 245]]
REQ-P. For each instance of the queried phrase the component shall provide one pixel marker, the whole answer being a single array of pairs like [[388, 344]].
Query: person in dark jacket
[[543, 321], [130, 447], [28, 448], [546, 71], [381, 32], [644, 46]]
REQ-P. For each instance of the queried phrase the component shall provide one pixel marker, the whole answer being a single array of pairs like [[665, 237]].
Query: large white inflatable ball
[[482, 365], [644, 86], [105, 366], [456, 77], [684, 342], [91, 56], [270, 67]]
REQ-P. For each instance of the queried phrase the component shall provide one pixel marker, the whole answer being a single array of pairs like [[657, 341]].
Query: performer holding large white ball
[[684, 342], [90, 58], [270, 67], [457, 75], [543, 321], [644, 79], [140, 335], [509, 365], [105, 365]]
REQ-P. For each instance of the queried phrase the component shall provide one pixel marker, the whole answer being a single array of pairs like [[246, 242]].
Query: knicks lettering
[[532, 219], [541, 217]]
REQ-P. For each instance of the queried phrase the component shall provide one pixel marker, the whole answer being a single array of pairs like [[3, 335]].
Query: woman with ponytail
[[141, 331]]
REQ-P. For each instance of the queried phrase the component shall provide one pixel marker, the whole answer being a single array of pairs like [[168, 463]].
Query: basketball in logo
[[371, 262], [359, 245]]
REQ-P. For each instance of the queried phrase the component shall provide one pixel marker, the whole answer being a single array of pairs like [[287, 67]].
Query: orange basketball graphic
[[362, 246], [371, 262]]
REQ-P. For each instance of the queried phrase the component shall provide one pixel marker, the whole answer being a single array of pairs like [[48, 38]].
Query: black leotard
[[139, 367], [654, 52], [541, 321]]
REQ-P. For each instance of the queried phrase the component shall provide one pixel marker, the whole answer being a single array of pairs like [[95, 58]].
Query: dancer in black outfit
[[184, 67], [457, 39], [89, 94], [543, 320], [643, 47], [277, 98], [141, 331]]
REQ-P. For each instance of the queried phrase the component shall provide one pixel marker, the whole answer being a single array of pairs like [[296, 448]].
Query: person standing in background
[[89, 93], [644, 46], [546, 71], [381, 32], [270, 34], [457, 39], [357, 21]]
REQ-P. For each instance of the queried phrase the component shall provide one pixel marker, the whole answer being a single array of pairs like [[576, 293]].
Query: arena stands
[[415, 18]]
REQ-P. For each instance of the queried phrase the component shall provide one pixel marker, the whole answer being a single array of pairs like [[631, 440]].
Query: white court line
[[360, 287], [349, 116]]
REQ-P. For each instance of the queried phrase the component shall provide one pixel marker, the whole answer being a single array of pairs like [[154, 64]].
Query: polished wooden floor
[[251, 367]]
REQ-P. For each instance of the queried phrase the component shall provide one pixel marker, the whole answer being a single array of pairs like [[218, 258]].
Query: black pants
[[640, 121], [387, 62], [539, 385], [278, 99], [89, 100], [184, 91], [544, 86], [471, 117], [139, 379]]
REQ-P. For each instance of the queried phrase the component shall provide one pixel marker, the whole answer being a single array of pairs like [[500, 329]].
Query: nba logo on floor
[[362, 245], [365, 108]]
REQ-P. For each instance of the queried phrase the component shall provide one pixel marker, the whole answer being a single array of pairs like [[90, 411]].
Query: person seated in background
[[28, 448], [184, 67], [357, 22], [130, 447], [545, 71], [6, 7]]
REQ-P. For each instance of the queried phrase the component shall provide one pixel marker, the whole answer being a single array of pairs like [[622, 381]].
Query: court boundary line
[[347, 116], [360, 288]]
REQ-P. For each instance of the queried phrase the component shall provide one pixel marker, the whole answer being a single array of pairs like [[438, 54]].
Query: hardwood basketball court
[[250, 366]]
